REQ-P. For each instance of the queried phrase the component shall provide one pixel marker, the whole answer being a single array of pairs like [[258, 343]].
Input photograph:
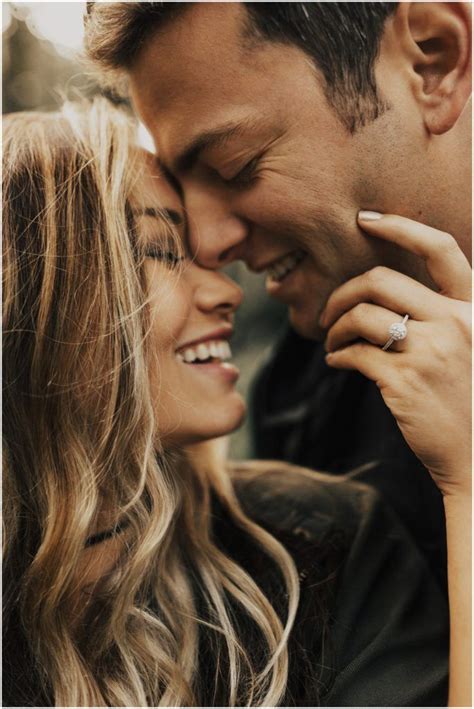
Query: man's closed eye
[[245, 176]]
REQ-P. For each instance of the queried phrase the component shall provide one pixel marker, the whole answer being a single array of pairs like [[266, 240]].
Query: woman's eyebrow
[[170, 215]]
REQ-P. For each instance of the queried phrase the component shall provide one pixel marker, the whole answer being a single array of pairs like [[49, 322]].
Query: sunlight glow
[[59, 22]]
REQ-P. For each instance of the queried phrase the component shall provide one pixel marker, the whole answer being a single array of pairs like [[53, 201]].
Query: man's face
[[269, 174]]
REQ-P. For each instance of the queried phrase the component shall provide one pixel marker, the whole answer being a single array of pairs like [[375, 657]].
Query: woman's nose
[[216, 292]]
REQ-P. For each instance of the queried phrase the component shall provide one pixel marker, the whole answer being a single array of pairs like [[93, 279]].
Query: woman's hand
[[424, 379]]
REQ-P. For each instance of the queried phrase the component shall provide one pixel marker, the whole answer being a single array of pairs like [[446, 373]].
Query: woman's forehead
[[153, 189]]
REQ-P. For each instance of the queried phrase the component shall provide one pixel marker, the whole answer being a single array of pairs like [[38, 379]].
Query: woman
[[138, 571]]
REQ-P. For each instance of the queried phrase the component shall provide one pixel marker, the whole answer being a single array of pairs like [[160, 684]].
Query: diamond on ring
[[397, 331]]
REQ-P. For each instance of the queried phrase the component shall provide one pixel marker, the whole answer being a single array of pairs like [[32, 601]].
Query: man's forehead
[[189, 78], [198, 74], [206, 25], [201, 38]]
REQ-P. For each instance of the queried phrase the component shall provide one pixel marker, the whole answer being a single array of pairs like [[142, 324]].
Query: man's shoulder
[[388, 617], [290, 498]]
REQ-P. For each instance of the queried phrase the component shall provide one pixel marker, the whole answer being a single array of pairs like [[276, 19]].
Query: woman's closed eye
[[170, 257]]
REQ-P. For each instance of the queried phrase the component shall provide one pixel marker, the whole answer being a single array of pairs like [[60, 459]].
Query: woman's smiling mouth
[[206, 352], [211, 355]]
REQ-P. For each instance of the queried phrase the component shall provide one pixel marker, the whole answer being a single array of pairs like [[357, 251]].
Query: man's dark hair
[[341, 38]]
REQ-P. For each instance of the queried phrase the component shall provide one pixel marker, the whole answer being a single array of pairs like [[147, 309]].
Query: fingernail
[[366, 216]]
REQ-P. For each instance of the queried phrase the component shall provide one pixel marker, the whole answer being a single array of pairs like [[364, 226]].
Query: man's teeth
[[281, 268], [219, 349]]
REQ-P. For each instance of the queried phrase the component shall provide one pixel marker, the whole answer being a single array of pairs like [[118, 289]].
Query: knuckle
[[447, 243], [462, 318], [377, 276], [359, 313]]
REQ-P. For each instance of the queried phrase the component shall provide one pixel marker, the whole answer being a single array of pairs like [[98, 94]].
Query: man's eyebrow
[[161, 213], [187, 157]]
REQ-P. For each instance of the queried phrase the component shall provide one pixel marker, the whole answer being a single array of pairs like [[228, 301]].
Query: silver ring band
[[397, 331]]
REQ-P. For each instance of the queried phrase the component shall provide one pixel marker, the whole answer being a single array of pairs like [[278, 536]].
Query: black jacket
[[306, 413], [386, 641]]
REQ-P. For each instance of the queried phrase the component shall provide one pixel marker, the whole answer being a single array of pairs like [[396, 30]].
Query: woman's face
[[192, 382]]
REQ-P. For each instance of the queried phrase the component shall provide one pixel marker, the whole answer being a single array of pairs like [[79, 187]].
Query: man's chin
[[306, 324]]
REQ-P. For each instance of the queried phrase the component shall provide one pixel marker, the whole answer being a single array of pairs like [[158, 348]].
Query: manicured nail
[[366, 216]]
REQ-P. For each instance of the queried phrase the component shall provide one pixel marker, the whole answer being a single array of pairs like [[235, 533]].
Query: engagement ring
[[397, 331]]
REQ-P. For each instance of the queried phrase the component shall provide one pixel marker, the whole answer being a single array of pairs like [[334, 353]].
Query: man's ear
[[438, 38]]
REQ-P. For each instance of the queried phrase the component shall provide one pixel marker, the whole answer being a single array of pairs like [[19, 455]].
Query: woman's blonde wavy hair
[[79, 432]]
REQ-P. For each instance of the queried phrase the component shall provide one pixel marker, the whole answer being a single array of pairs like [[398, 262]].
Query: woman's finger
[[370, 361], [368, 322], [445, 261], [387, 288]]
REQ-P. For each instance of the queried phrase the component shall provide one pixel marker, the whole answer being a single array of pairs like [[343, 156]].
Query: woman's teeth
[[219, 349], [284, 266]]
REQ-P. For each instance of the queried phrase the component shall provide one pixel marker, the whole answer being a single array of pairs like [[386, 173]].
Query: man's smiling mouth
[[280, 269]]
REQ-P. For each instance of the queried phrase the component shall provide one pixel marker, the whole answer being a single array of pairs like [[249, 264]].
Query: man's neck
[[454, 201]]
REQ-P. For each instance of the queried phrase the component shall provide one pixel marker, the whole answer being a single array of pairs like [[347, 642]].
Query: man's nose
[[216, 235]]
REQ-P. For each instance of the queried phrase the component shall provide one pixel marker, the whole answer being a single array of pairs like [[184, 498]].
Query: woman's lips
[[210, 358], [213, 349], [222, 334], [216, 368]]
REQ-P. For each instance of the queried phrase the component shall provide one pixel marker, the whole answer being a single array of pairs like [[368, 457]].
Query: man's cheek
[[304, 319], [274, 200]]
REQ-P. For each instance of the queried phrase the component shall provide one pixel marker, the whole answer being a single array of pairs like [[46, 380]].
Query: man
[[280, 121]]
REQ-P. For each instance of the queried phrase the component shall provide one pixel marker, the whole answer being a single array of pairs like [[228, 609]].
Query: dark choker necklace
[[102, 536]]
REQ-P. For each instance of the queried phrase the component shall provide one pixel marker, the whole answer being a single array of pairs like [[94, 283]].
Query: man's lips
[[279, 267]]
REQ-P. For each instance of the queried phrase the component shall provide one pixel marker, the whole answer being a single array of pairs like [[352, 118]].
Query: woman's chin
[[212, 421], [223, 420]]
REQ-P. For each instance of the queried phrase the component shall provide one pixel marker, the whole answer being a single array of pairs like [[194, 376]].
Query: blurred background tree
[[41, 66]]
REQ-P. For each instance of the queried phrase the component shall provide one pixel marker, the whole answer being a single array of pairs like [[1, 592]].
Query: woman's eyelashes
[[170, 257]]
